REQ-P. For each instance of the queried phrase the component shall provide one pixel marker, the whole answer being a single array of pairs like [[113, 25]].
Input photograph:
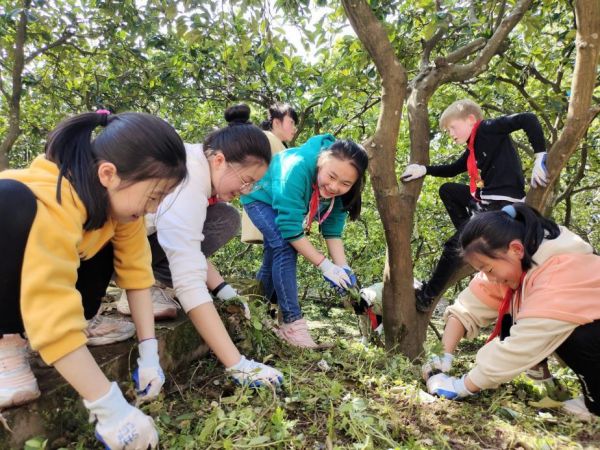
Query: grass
[[358, 398]]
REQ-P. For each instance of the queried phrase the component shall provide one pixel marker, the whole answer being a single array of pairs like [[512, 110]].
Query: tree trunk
[[580, 112]]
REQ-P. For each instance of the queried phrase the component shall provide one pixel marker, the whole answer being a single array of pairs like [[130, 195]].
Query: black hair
[[492, 231], [279, 111], [355, 154], [141, 147], [239, 140]]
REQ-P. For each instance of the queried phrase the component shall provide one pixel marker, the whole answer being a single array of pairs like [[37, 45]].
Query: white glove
[[413, 172], [148, 377], [250, 373], [227, 293], [435, 364], [335, 275], [539, 174], [119, 425], [451, 388]]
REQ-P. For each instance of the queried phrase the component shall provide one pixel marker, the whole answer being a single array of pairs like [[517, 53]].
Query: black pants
[[581, 352], [461, 206], [222, 223], [18, 207]]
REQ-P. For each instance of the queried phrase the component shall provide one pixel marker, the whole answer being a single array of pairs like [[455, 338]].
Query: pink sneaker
[[296, 334], [164, 305], [17, 382]]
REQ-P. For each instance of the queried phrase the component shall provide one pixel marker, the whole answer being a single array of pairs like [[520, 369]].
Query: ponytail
[[140, 146], [489, 232]]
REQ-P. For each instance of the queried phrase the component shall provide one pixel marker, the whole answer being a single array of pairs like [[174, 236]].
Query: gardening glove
[[336, 276], [248, 372], [539, 174], [148, 377], [413, 172], [437, 364], [451, 388], [119, 425], [353, 280], [227, 293]]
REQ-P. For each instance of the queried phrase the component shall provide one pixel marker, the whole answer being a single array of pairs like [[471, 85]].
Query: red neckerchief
[[474, 178], [313, 209], [213, 200], [505, 305]]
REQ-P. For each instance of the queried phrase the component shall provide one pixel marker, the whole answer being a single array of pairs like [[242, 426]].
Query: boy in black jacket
[[495, 175]]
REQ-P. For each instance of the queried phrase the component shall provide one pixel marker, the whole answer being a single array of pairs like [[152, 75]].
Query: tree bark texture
[[581, 111]]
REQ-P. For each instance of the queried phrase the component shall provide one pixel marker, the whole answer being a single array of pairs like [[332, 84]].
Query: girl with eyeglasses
[[194, 222]]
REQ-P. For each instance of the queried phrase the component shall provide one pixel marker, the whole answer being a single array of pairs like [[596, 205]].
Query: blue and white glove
[[451, 388], [413, 172], [435, 365], [337, 277], [539, 174], [248, 372], [353, 280], [148, 377], [119, 425]]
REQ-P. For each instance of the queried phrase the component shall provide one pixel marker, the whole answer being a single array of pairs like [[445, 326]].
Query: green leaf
[[270, 63]]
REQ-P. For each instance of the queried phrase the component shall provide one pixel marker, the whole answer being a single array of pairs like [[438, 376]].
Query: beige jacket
[[559, 293]]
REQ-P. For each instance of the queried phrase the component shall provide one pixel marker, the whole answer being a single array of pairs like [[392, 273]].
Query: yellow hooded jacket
[[51, 307]]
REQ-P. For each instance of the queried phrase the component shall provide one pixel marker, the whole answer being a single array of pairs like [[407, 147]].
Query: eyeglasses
[[247, 186]]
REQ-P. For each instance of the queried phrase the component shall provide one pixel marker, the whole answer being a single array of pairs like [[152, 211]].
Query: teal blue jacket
[[287, 187]]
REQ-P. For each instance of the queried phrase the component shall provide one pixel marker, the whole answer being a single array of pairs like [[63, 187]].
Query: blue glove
[[451, 388], [353, 280], [248, 372], [119, 425], [148, 377]]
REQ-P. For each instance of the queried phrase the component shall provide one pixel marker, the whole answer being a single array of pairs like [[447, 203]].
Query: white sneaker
[[576, 406], [17, 382], [104, 330], [164, 305]]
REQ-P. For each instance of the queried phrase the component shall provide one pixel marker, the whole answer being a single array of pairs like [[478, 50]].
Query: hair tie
[[510, 210], [104, 113]]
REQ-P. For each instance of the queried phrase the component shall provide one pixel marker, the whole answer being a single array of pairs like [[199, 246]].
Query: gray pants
[[222, 223]]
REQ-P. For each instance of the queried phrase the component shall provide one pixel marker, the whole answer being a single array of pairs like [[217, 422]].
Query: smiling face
[[284, 129], [335, 177], [460, 129], [130, 201], [230, 180], [505, 268]]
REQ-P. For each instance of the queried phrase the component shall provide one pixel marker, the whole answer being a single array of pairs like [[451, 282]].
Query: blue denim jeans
[[278, 271]]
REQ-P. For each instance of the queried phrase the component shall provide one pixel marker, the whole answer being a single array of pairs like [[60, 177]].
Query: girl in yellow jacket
[[542, 282], [80, 208]]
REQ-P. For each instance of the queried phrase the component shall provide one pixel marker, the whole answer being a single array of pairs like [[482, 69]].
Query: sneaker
[[296, 334], [103, 330], [17, 382], [576, 406], [163, 303]]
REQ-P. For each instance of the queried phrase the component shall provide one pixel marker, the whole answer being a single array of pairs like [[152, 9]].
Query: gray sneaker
[[103, 330]]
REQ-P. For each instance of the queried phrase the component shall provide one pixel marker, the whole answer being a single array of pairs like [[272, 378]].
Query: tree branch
[[461, 52], [576, 179], [66, 35], [478, 65]]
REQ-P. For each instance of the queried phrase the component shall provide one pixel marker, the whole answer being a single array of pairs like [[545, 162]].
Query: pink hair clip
[[103, 111]]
